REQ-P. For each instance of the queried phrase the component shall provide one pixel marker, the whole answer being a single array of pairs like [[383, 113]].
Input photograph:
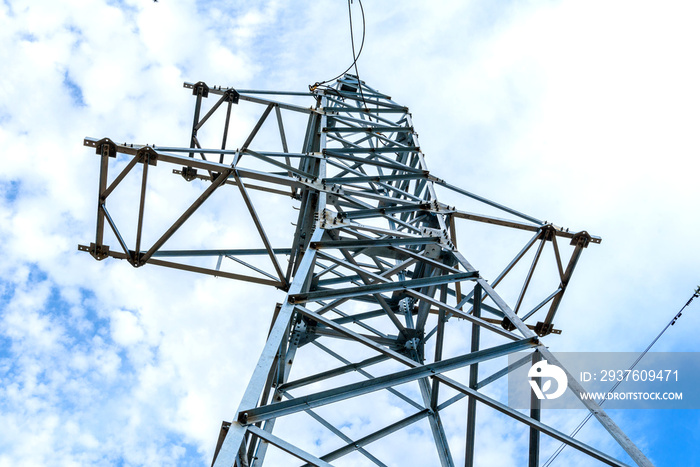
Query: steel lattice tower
[[374, 280]]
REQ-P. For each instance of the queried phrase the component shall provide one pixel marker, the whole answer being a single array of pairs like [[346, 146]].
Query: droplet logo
[[546, 373]]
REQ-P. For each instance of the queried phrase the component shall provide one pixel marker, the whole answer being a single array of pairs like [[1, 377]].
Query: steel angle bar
[[473, 379], [259, 227], [529, 326], [250, 266], [399, 267], [379, 288], [227, 252], [528, 278], [296, 108], [401, 154], [204, 165], [355, 168], [200, 270], [484, 307], [344, 154], [332, 373], [213, 109], [421, 256], [375, 178], [408, 197], [542, 303], [557, 256], [326, 269], [329, 396], [344, 437], [384, 104], [355, 110], [361, 323], [337, 263], [379, 339], [535, 413], [344, 142], [288, 447], [114, 228], [271, 161], [167, 149], [461, 314], [384, 274], [145, 159], [369, 130], [503, 306], [348, 118], [439, 344], [341, 279], [573, 261], [186, 215], [377, 435], [250, 186], [502, 372], [355, 144], [388, 142], [279, 93], [366, 277], [227, 122], [486, 201], [130, 165], [367, 375], [359, 317], [436, 427], [104, 152], [368, 101], [357, 244], [283, 135], [281, 105], [361, 123], [515, 260], [501, 222], [257, 126]]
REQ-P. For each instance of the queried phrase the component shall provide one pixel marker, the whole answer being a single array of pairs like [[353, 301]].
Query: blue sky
[[584, 114]]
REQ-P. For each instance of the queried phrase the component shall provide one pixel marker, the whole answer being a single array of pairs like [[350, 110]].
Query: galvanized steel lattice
[[374, 279]]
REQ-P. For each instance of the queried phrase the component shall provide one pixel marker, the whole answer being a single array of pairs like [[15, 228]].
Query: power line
[[352, 42], [354, 56], [612, 389]]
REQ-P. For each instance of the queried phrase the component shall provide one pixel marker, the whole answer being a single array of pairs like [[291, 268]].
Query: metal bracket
[[542, 329], [99, 252], [582, 239], [147, 153], [444, 238], [201, 88], [105, 145], [189, 173], [231, 95]]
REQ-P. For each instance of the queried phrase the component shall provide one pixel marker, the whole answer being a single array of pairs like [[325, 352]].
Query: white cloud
[[580, 113]]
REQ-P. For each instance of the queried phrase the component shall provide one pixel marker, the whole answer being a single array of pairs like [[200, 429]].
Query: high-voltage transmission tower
[[384, 319]]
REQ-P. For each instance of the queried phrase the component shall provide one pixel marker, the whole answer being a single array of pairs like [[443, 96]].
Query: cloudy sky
[[581, 113]]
